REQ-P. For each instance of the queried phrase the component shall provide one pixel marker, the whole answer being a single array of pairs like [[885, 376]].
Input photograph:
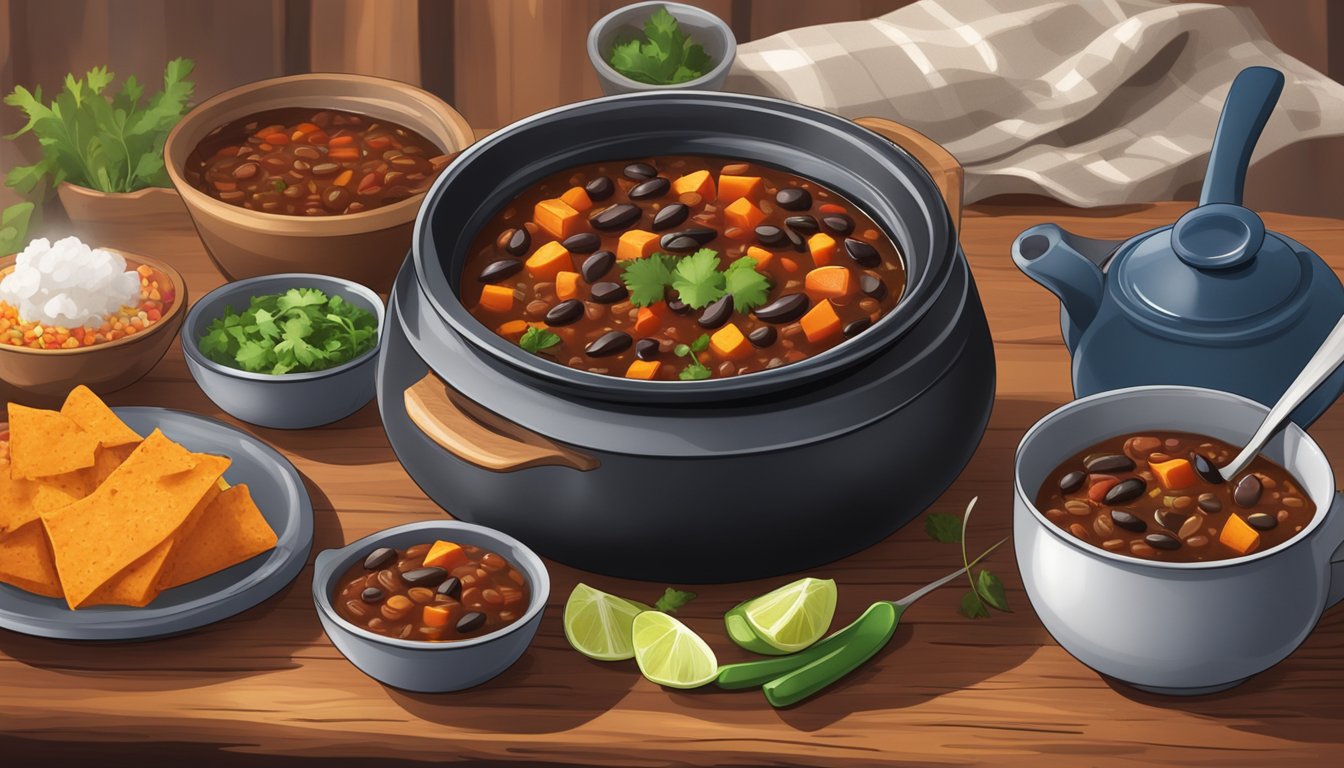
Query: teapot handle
[[1249, 103], [941, 166]]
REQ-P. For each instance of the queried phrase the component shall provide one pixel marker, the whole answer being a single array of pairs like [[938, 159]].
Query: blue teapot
[[1213, 300]]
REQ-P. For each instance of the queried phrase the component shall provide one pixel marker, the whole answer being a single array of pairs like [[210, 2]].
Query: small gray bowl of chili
[[449, 641]]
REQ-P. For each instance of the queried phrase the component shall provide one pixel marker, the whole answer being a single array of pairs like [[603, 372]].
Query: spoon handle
[[1327, 358]]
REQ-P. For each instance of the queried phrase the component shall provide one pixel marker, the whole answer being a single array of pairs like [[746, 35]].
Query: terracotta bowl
[[44, 376], [366, 247]]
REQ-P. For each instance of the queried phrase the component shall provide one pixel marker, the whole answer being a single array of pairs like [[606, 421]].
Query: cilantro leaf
[[701, 343], [295, 298], [697, 279], [673, 599], [647, 278], [669, 56], [943, 527], [536, 339], [972, 607], [252, 355], [299, 330], [990, 589], [748, 287], [695, 372]]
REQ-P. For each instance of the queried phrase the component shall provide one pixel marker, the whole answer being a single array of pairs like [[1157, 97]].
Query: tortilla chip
[[26, 561], [141, 504], [23, 501], [45, 443], [230, 531], [88, 411]]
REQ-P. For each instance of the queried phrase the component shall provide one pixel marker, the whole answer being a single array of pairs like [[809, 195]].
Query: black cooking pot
[[698, 481]]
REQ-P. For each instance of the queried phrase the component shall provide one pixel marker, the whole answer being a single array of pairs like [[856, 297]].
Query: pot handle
[[946, 172], [480, 437]]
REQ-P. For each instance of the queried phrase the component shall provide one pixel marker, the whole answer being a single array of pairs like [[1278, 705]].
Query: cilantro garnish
[[697, 279], [748, 287], [943, 527], [669, 56], [646, 278], [300, 330], [695, 370], [536, 339], [986, 588], [673, 599]]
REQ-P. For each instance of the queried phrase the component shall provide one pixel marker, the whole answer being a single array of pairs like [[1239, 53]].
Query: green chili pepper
[[871, 633], [750, 674]]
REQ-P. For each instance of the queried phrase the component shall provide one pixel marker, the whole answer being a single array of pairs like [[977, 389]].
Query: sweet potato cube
[[700, 183], [728, 343], [548, 261], [439, 615], [557, 217], [743, 213], [513, 329], [577, 198], [820, 322], [1174, 474], [566, 285], [1239, 536], [497, 298], [828, 283], [822, 248], [737, 187], [636, 244], [649, 319], [762, 256], [643, 369], [446, 555]]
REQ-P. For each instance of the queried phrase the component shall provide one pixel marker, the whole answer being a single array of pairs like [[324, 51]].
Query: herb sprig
[[673, 599], [695, 370], [668, 56], [299, 330], [535, 339], [986, 588], [697, 280]]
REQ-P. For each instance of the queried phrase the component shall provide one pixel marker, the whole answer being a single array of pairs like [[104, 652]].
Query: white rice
[[67, 284]]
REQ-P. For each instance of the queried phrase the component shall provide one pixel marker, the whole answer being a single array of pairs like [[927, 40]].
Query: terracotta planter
[[86, 206]]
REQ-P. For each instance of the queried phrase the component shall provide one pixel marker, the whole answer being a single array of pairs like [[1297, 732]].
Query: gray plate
[[279, 493]]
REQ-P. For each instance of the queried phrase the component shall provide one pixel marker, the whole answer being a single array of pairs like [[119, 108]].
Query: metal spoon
[[1327, 358]]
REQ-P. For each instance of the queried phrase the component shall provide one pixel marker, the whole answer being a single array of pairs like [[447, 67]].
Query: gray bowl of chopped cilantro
[[288, 351], [653, 46]]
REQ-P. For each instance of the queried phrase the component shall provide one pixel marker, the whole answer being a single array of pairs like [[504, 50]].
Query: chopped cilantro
[[536, 339], [669, 56], [748, 287], [695, 370], [300, 330], [697, 279], [673, 599], [647, 278]]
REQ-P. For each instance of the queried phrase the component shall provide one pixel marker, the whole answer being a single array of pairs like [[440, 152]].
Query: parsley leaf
[[647, 278], [943, 527], [697, 279], [673, 599], [670, 56], [748, 287], [536, 339]]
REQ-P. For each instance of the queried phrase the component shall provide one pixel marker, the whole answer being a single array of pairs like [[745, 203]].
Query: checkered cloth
[[1092, 103]]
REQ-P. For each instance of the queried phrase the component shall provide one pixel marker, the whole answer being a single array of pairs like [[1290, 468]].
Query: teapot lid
[[1215, 267]]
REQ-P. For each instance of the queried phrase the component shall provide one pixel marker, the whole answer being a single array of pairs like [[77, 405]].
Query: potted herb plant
[[656, 45], [101, 153]]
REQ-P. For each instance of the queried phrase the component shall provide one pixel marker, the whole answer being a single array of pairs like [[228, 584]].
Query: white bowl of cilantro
[[288, 351], [654, 46]]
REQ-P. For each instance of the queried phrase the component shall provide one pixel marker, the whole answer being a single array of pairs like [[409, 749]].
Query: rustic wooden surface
[[267, 685]]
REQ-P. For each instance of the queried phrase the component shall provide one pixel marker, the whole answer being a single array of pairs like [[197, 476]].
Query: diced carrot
[[761, 256], [700, 182], [737, 187], [822, 247], [556, 217], [828, 282], [279, 138], [831, 208], [636, 244], [548, 261], [742, 213], [820, 322], [497, 298], [318, 137], [305, 128], [446, 555], [788, 264], [566, 285], [378, 142], [344, 153], [1101, 484], [649, 319], [344, 178], [1239, 536], [729, 343], [438, 615], [1174, 474], [577, 198], [513, 329], [643, 369], [342, 141]]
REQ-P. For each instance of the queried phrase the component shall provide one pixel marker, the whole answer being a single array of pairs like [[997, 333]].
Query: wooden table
[[947, 690]]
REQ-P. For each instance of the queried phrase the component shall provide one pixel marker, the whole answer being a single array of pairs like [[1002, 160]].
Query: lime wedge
[[794, 616], [740, 632], [598, 625], [670, 654]]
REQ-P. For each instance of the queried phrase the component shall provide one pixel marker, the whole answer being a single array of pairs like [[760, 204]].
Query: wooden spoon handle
[[947, 173]]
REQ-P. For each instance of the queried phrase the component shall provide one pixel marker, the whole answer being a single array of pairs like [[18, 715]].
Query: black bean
[[1210, 503], [651, 189], [856, 327], [873, 286], [670, 216], [793, 199], [1162, 541], [1127, 521], [618, 216], [863, 254], [717, 313], [451, 587], [796, 241], [518, 242], [565, 312], [379, 558], [1205, 469], [431, 576], [1248, 490], [646, 349], [1108, 462], [763, 337], [609, 343], [678, 307], [838, 223], [1169, 519], [1262, 522], [371, 595], [1126, 490], [583, 242], [499, 270], [607, 292], [676, 243], [599, 189], [769, 234], [597, 266], [785, 309], [640, 171], [471, 622], [803, 225], [1071, 482]]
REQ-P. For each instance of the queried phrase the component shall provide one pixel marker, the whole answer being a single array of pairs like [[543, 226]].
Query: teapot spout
[[1070, 267]]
